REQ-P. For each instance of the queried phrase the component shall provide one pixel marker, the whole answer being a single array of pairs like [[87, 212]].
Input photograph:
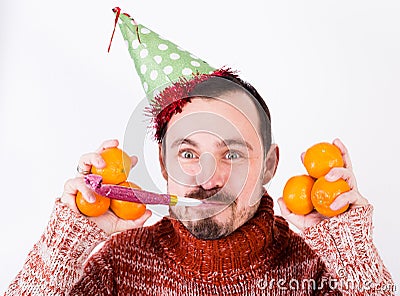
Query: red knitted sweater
[[263, 257]]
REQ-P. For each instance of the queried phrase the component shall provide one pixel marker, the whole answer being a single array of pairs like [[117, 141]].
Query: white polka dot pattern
[[158, 61]]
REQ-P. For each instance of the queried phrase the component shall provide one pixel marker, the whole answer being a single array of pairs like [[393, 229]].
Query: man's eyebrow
[[235, 142], [181, 141], [223, 143]]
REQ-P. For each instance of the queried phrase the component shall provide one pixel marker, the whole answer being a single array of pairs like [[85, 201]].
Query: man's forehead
[[235, 106], [210, 122]]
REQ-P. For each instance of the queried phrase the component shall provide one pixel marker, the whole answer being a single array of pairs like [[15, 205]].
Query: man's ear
[[162, 163], [271, 163]]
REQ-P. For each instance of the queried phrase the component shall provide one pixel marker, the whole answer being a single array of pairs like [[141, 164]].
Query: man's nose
[[211, 175]]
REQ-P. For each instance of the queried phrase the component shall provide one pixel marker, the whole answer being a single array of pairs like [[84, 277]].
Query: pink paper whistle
[[136, 195]]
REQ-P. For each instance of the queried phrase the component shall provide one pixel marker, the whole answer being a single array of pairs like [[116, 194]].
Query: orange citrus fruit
[[125, 209], [99, 207], [297, 194], [321, 157], [324, 193], [118, 166]]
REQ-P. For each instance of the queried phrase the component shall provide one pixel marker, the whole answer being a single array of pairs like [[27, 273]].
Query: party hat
[[168, 73], [159, 62]]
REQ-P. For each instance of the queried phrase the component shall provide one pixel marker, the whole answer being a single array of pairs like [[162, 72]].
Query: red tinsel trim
[[173, 98]]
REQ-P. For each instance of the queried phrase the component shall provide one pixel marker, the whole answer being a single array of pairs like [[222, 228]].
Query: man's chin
[[207, 229]]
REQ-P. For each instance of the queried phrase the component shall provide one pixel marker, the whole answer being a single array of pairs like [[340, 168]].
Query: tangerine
[[321, 157], [99, 207], [325, 192], [125, 209], [297, 194], [118, 166]]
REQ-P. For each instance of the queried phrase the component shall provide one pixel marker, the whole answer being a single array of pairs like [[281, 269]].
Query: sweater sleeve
[[56, 261], [98, 278], [345, 245]]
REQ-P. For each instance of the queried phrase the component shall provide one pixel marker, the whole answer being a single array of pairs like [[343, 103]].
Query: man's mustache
[[215, 194]]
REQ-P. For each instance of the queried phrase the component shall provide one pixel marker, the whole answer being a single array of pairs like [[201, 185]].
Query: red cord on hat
[[118, 11]]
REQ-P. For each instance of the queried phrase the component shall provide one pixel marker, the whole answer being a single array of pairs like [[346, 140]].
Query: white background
[[326, 68]]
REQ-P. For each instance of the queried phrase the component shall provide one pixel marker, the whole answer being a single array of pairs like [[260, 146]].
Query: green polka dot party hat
[[159, 62]]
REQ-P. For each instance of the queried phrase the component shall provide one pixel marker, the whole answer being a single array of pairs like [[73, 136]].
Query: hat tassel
[[117, 10]]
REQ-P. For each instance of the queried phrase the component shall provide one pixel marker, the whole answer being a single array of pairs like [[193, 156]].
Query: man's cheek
[[180, 173], [238, 178]]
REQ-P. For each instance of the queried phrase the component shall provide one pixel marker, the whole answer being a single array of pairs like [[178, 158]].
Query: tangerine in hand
[[98, 208], [297, 194], [325, 192], [118, 166], [125, 209], [321, 157]]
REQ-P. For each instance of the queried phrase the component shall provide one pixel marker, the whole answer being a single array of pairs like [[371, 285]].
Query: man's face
[[213, 151]]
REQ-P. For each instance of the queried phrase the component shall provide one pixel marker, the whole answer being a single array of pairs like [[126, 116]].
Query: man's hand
[[352, 197], [108, 222]]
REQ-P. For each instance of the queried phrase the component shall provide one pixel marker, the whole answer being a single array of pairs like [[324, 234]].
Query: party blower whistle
[[137, 195]]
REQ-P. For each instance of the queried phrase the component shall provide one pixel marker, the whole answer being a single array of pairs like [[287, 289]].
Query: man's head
[[218, 147]]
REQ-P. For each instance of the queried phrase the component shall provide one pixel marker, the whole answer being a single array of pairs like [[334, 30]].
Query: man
[[214, 144]]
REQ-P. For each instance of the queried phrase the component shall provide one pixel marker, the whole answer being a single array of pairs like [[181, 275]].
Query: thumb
[[139, 222], [134, 161], [284, 210]]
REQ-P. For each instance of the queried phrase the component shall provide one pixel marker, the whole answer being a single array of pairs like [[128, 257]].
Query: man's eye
[[232, 155], [187, 154]]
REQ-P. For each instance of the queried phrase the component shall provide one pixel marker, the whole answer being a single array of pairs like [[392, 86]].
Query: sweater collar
[[258, 241]]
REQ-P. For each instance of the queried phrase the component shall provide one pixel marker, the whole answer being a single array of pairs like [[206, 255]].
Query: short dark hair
[[215, 86]]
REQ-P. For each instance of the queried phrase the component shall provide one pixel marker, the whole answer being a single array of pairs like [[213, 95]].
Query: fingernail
[[334, 206], [91, 198], [329, 176]]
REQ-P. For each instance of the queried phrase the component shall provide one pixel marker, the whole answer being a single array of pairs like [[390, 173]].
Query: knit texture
[[346, 246], [55, 262], [263, 257]]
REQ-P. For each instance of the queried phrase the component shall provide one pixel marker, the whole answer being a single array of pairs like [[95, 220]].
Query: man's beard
[[202, 223], [209, 228]]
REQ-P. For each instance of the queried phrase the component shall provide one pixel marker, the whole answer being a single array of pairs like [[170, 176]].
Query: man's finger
[[346, 198], [345, 153], [72, 187], [88, 160], [140, 221], [342, 173], [302, 157], [108, 144], [284, 210], [134, 160]]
